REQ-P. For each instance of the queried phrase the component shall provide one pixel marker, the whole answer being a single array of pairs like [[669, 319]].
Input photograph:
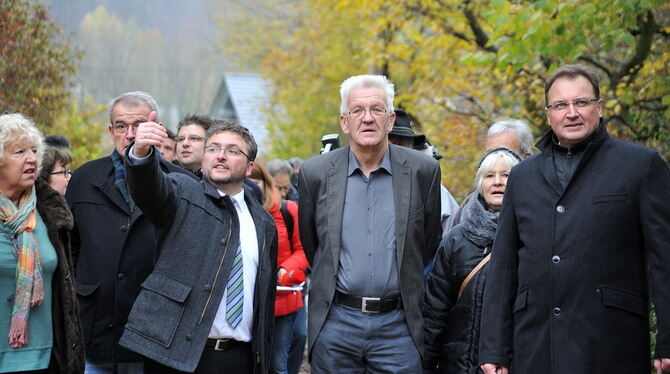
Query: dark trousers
[[237, 359]]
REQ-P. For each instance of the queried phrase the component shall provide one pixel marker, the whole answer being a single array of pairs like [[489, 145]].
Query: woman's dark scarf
[[479, 223]]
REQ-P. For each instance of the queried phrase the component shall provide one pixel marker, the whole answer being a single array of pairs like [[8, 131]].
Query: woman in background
[[452, 304], [291, 266], [40, 330], [56, 162]]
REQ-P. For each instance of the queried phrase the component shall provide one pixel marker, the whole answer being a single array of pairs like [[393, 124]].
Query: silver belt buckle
[[221, 341], [364, 304]]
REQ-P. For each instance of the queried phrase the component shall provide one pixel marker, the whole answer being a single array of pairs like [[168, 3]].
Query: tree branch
[[630, 67], [597, 64], [480, 35]]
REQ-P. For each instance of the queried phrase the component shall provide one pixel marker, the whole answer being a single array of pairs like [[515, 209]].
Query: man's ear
[[344, 124], [250, 167]]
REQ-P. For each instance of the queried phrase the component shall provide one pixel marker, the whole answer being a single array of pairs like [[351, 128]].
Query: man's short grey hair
[[504, 155], [279, 166], [517, 126], [16, 127], [295, 162], [358, 81], [134, 99]]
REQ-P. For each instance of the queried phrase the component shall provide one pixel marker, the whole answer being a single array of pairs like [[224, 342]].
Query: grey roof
[[244, 98]]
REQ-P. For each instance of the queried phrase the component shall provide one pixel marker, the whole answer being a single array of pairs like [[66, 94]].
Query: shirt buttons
[[556, 259], [560, 209], [557, 311]]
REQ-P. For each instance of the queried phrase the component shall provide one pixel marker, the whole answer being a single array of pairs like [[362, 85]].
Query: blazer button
[[123, 228], [557, 311], [556, 259], [207, 288], [223, 241], [188, 337], [120, 276], [560, 209]]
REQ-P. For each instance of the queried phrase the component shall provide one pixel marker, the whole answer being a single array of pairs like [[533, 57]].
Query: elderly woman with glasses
[[453, 294], [56, 162], [39, 317]]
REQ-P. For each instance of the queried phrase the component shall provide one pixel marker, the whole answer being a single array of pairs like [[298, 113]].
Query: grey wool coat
[[416, 190], [572, 269], [197, 236]]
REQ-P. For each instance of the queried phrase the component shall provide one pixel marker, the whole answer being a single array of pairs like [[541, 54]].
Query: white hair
[[489, 162], [16, 127], [358, 81], [519, 127]]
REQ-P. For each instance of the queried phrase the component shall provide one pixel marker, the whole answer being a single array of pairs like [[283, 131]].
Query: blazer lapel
[[336, 187], [402, 185]]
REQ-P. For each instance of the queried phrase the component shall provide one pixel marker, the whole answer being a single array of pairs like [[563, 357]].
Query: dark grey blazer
[[416, 190], [173, 314]]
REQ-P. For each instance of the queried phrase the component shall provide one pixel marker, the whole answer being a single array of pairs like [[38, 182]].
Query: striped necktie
[[235, 290]]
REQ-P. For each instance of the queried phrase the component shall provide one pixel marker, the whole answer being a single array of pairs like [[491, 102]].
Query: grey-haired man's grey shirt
[[368, 263]]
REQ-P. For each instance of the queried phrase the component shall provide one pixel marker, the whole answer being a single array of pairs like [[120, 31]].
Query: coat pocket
[[521, 301], [158, 309], [610, 198], [86, 296], [624, 299]]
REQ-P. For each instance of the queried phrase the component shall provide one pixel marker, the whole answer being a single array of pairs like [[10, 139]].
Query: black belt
[[223, 344], [368, 304]]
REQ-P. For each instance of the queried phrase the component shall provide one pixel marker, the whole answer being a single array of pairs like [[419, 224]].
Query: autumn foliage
[[458, 65]]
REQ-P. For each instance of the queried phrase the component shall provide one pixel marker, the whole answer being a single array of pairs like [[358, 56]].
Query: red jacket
[[288, 258]]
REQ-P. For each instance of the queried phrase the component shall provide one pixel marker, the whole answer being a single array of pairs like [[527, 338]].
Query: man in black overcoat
[[582, 243]]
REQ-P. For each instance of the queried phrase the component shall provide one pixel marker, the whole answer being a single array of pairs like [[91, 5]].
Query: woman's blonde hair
[[260, 172]]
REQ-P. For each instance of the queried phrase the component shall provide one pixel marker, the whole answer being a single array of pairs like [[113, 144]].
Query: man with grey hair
[[113, 243], [513, 134], [369, 217], [281, 172]]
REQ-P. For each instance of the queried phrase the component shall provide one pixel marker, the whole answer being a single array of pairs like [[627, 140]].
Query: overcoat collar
[[546, 157]]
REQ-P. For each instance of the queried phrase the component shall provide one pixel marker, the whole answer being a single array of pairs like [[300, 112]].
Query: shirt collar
[[237, 198], [354, 165]]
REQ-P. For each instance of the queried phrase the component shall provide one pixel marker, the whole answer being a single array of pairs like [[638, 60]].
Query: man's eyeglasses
[[561, 106], [122, 128], [191, 139], [359, 112], [235, 152], [66, 173]]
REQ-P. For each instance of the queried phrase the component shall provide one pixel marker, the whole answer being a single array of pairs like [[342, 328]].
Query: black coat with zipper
[[451, 325]]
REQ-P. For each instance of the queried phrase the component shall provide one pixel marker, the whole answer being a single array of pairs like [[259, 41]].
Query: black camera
[[330, 142]]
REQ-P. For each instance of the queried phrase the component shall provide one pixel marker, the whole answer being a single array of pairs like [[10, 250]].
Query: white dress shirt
[[221, 328]]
